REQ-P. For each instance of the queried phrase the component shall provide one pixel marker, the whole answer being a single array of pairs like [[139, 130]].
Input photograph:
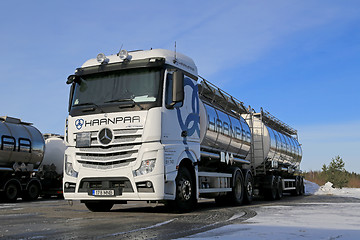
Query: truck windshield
[[125, 88]]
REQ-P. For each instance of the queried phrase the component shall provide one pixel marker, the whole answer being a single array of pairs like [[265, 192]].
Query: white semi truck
[[29, 165], [143, 125]]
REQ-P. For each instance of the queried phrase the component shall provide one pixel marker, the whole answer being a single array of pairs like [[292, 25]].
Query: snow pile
[[328, 189]]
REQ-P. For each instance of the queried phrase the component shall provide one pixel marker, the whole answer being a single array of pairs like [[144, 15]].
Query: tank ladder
[[257, 144]]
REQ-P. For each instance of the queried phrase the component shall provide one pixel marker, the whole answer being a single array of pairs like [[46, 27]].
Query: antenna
[[175, 54], [120, 50]]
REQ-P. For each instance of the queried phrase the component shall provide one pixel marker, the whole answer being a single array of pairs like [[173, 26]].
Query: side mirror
[[73, 78], [178, 87]]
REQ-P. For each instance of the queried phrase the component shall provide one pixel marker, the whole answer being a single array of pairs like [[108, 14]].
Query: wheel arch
[[13, 180]]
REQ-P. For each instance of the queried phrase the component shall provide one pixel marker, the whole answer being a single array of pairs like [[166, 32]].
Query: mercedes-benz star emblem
[[105, 136]]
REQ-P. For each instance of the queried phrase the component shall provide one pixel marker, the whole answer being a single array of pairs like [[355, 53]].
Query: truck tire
[[248, 187], [302, 186], [270, 192], [185, 199], [236, 197], [32, 192], [279, 192], [296, 192], [99, 206], [11, 192]]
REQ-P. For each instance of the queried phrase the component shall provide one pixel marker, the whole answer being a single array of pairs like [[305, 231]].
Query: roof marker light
[[124, 55], [101, 58]]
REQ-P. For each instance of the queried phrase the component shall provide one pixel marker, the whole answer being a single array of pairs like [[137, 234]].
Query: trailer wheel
[[185, 191], [302, 186], [249, 187], [99, 206], [32, 192], [11, 192], [237, 194], [279, 192], [270, 193], [297, 190]]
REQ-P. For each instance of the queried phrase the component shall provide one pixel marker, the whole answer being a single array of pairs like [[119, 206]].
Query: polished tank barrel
[[223, 132], [272, 145], [20, 143], [54, 154]]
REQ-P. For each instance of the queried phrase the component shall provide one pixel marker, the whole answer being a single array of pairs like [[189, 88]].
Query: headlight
[[69, 170], [147, 166], [83, 139]]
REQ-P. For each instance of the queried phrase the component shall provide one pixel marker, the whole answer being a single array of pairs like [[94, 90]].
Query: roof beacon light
[[101, 58], [124, 55]]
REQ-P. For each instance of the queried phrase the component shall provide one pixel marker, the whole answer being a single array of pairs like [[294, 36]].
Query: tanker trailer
[[21, 152], [264, 148], [51, 169], [275, 156]]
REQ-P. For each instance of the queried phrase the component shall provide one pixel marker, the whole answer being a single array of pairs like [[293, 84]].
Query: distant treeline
[[319, 178], [335, 173]]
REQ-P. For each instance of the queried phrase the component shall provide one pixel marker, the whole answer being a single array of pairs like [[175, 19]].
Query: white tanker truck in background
[[143, 125], [29, 165]]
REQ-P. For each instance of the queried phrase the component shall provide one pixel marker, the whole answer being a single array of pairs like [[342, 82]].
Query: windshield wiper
[[89, 109], [131, 103]]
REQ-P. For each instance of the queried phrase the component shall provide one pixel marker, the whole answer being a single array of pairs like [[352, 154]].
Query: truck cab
[[131, 123]]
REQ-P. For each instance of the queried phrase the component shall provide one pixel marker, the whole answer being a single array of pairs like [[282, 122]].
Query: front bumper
[[120, 183]]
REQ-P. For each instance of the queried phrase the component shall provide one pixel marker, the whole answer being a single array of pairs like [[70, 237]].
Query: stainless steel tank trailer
[[22, 150]]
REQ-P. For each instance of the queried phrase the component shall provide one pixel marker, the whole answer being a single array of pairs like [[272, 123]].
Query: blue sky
[[297, 59]]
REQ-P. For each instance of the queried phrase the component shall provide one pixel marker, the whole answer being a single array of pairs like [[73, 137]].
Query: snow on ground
[[299, 221], [344, 192]]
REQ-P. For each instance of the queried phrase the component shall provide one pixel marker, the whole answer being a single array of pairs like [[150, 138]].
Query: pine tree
[[336, 172]]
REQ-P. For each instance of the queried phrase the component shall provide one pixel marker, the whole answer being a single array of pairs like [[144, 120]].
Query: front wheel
[[99, 206], [185, 191]]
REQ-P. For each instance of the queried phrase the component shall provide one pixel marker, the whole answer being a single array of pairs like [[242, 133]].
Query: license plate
[[103, 192]]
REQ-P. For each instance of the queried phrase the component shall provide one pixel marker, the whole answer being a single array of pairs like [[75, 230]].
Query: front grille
[[119, 153]]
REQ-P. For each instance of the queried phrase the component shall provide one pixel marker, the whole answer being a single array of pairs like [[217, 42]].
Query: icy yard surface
[[313, 220]]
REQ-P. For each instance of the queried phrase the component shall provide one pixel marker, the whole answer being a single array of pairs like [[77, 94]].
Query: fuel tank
[[20, 143], [222, 132]]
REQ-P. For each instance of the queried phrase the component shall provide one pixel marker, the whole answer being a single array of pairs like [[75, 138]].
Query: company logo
[[105, 136], [79, 123], [192, 122]]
